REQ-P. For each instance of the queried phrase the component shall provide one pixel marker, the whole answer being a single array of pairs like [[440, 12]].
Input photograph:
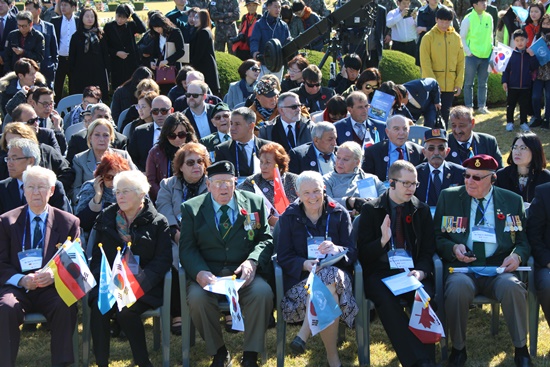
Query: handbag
[[166, 75]]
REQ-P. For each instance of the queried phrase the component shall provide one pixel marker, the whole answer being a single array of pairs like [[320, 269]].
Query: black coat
[[141, 142], [33, 48], [121, 38], [227, 151], [10, 196], [89, 68], [452, 176], [508, 179], [538, 226], [150, 241], [203, 58]]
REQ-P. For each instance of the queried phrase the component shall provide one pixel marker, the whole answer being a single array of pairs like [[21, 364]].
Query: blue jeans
[[475, 66], [538, 87]]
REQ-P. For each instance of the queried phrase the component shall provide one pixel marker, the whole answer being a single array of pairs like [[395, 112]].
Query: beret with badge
[[219, 108], [481, 162], [221, 168]]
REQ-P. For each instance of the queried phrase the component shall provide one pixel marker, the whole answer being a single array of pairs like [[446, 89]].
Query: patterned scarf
[[91, 37], [265, 112]]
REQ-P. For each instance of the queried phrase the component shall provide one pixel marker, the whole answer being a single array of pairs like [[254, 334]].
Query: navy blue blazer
[[427, 93], [10, 25], [375, 161], [452, 176], [345, 131], [481, 144], [304, 158], [49, 64], [10, 196]]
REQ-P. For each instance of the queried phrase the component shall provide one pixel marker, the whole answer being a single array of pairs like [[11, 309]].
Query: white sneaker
[[483, 110], [525, 127], [510, 126]]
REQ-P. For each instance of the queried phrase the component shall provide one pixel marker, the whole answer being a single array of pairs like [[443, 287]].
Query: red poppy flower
[[324, 96], [501, 216], [244, 212], [331, 204], [409, 219]]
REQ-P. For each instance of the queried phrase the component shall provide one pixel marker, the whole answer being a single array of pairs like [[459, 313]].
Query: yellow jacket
[[442, 58]]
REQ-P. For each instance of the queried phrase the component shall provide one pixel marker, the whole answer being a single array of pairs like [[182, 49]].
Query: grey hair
[[101, 107], [247, 114], [136, 178], [322, 127], [39, 172], [284, 96], [309, 176], [461, 112], [354, 148], [28, 147], [393, 118], [195, 73]]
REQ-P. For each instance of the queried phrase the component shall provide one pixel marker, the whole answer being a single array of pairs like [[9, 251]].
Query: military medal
[[257, 220], [520, 228], [516, 219], [507, 225], [250, 235], [247, 223], [459, 225]]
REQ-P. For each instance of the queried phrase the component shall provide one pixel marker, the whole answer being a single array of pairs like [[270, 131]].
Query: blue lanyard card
[[400, 259], [313, 247], [30, 259]]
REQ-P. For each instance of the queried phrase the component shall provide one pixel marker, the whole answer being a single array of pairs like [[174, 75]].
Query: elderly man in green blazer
[[225, 232], [481, 225]]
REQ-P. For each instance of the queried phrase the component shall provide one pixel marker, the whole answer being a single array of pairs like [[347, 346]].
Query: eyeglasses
[[369, 87], [519, 147], [219, 183], [407, 184], [314, 85], [124, 192], [293, 107], [255, 69], [294, 71], [219, 117], [39, 188], [467, 176], [108, 177], [192, 162], [194, 95], [431, 148], [138, 107], [32, 121], [14, 159], [46, 104], [163, 111], [180, 135]]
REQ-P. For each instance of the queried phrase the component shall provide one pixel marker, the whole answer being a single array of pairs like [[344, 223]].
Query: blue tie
[[37, 238]]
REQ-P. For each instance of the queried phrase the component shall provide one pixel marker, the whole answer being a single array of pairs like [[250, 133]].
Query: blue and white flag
[[322, 309], [105, 299], [540, 48]]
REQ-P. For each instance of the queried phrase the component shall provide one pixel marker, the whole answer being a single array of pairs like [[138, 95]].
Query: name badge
[[400, 259], [30, 259], [313, 247], [483, 234]]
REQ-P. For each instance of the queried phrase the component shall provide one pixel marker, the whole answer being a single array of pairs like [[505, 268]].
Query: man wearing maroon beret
[[479, 225]]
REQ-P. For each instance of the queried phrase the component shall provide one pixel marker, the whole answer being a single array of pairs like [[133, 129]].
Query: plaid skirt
[[293, 303]]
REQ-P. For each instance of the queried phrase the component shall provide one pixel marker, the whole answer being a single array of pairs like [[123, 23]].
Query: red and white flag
[[424, 323], [280, 201]]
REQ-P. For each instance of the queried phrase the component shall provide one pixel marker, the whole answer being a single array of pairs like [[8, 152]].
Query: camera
[[238, 38]]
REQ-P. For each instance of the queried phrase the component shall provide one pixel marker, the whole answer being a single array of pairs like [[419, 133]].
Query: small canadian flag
[[424, 323]]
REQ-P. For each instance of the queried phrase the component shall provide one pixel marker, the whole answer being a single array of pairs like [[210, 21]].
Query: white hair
[[354, 148], [136, 178], [39, 172], [309, 176]]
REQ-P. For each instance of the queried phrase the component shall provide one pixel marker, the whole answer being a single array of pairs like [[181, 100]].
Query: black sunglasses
[[313, 85], [369, 87], [163, 111], [293, 107], [32, 121], [256, 69], [475, 178], [431, 148], [181, 135], [194, 95], [191, 162]]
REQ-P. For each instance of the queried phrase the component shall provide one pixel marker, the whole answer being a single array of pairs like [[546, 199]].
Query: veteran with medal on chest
[[480, 226]]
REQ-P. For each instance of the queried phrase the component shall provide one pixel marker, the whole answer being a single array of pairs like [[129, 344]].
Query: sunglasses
[[467, 176], [315, 85], [163, 111], [194, 95], [431, 148], [180, 135], [108, 177], [32, 121], [224, 116], [256, 69], [294, 107], [369, 87], [192, 162]]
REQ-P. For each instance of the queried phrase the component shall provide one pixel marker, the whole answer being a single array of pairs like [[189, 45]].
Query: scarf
[[90, 37], [265, 112], [190, 190], [306, 15], [244, 90], [123, 227]]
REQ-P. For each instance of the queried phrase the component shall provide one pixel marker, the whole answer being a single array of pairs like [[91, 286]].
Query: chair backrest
[[7, 119], [68, 103], [275, 235], [355, 229], [73, 129], [416, 134], [121, 118]]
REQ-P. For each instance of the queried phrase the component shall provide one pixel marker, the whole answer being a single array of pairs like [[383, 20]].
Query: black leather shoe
[[298, 346], [457, 358], [523, 361], [221, 360]]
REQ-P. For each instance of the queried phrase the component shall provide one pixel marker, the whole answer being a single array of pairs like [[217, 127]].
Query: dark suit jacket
[[9, 25], [374, 159], [345, 132], [481, 144], [56, 21], [33, 48], [59, 226], [452, 176], [202, 246], [426, 92], [49, 64], [508, 179], [456, 202], [189, 115], [211, 141], [180, 104], [304, 158], [275, 131], [10, 196], [140, 144], [79, 143], [538, 226], [54, 139], [227, 151]]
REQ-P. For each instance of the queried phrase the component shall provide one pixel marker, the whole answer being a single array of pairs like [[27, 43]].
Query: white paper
[[229, 287], [367, 188], [401, 283]]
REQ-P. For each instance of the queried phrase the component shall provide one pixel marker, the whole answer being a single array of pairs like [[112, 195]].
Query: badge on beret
[[228, 166], [478, 163], [436, 132]]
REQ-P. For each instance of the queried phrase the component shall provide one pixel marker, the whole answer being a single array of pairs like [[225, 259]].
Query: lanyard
[[483, 210], [326, 228]]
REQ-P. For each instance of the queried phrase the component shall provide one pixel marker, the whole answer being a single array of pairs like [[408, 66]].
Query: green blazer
[[455, 201], [211, 141], [202, 246]]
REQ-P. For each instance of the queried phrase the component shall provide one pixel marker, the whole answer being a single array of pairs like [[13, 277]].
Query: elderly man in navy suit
[[35, 230], [436, 174], [423, 99], [318, 155], [357, 127]]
